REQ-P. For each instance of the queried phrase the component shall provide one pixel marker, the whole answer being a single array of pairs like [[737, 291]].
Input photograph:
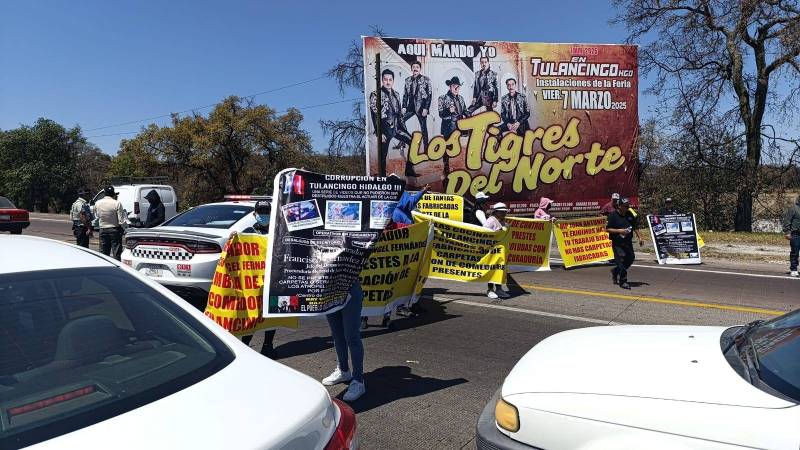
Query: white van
[[132, 197]]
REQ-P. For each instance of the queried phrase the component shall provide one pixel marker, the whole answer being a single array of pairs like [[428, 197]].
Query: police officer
[[112, 222], [262, 215], [82, 218], [620, 226]]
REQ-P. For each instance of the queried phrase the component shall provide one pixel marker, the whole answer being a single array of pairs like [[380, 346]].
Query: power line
[[207, 106], [301, 108]]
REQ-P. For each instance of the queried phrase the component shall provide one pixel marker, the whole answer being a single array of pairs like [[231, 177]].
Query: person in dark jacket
[[155, 213], [514, 110], [791, 230], [668, 208]]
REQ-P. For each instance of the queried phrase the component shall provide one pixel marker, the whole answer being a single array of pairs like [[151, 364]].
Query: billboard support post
[[378, 107]]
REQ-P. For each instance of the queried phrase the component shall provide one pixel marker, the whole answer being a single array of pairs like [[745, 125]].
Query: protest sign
[[583, 241], [443, 206], [465, 252], [516, 120], [391, 273], [675, 238], [235, 299], [323, 229], [529, 244]]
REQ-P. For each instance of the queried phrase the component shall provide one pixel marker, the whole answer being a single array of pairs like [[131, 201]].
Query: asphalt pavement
[[429, 377]]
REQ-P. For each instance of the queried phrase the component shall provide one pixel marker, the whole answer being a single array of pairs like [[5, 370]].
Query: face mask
[[262, 220]]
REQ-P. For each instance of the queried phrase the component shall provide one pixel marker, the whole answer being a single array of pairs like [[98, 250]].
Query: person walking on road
[[81, 215], [496, 222], [112, 222], [543, 212], [344, 325], [156, 212], [791, 229], [620, 228]]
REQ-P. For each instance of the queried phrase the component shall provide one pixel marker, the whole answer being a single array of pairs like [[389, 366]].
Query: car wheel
[[16, 231]]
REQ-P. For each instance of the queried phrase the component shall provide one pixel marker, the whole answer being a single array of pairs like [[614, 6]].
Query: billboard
[[518, 121]]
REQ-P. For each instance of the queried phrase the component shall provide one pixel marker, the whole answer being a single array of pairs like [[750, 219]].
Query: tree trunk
[[744, 201]]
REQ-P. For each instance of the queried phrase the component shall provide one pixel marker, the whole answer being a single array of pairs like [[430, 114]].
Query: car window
[[78, 346], [211, 216], [777, 343], [166, 195], [6, 203]]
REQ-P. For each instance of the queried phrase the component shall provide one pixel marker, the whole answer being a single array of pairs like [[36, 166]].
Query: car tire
[[16, 231]]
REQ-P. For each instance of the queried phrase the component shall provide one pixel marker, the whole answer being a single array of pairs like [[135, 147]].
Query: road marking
[[721, 272], [687, 269], [49, 220], [667, 301], [533, 312]]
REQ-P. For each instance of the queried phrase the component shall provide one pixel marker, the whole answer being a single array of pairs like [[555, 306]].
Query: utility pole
[[379, 108]]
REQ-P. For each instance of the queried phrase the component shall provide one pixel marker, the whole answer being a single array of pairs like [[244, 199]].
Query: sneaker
[[794, 274], [625, 285], [503, 294], [337, 377], [356, 390], [492, 294]]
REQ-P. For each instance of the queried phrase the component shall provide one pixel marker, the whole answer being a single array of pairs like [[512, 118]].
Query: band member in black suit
[[485, 91], [392, 126], [451, 108], [417, 97], [514, 110]]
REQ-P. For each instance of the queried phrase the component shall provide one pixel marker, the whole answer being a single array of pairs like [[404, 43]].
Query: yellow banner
[[583, 241], [442, 206], [391, 272], [700, 242], [529, 244], [465, 252], [236, 296]]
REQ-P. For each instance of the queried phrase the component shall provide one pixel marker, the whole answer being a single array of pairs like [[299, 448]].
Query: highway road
[[429, 377]]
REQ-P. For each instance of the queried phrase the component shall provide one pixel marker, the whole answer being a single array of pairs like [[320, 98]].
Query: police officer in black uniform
[[620, 226]]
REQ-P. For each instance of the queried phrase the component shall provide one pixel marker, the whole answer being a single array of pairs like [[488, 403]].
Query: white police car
[[182, 253]]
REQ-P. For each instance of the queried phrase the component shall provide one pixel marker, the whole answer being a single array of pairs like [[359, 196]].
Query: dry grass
[[730, 237]]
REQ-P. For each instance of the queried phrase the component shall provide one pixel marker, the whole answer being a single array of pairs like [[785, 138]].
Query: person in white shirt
[[496, 222], [112, 222], [480, 208]]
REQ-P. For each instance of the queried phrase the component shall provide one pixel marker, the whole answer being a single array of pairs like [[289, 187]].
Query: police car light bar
[[244, 197]]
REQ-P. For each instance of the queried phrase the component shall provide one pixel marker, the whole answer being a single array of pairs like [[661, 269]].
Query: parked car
[[132, 197], [653, 387], [182, 253], [94, 354], [12, 218]]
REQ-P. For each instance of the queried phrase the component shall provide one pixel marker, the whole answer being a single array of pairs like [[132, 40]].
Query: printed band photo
[[518, 120]]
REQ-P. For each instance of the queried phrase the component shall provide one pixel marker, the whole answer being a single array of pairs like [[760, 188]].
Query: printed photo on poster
[[342, 215], [380, 213], [659, 229], [301, 215], [687, 226], [673, 227]]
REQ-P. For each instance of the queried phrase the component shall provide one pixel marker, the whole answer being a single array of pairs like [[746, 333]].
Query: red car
[[12, 218]]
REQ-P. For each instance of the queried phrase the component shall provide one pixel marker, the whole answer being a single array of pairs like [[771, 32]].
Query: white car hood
[[657, 362], [198, 231], [253, 403]]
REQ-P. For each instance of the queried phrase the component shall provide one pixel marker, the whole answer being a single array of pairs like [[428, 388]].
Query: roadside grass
[[742, 238]]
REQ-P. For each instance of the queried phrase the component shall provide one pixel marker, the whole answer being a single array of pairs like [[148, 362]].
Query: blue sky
[[98, 63]]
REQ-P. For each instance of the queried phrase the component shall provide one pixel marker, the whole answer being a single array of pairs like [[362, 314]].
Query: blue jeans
[[345, 328], [794, 242]]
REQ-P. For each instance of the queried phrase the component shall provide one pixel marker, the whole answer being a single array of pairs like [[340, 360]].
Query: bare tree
[[719, 65], [347, 136]]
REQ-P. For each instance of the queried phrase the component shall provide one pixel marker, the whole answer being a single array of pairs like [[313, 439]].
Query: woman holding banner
[[496, 222], [344, 325]]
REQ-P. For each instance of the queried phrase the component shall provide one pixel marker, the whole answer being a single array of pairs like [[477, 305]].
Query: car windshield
[[777, 345], [6, 203], [78, 346], [210, 216]]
